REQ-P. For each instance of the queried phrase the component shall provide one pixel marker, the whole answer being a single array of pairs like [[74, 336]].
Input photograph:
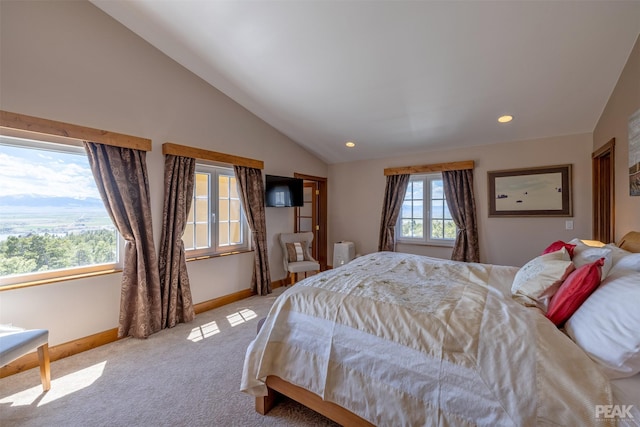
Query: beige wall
[[71, 62], [356, 191], [614, 123]]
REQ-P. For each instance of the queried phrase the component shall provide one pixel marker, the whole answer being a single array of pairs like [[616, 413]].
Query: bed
[[395, 339]]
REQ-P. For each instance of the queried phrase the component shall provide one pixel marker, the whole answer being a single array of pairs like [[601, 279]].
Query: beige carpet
[[185, 376]]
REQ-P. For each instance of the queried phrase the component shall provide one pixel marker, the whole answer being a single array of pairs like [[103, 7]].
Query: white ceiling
[[399, 77]]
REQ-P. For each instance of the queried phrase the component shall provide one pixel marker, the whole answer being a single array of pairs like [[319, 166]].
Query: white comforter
[[405, 340]]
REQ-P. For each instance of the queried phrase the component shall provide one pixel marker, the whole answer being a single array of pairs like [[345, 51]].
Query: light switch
[[568, 224]]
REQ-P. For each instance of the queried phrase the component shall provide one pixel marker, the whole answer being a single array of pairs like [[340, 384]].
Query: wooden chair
[[293, 268], [16, 342]]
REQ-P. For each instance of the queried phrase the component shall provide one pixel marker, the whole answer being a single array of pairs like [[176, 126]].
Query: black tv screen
[[283, 192]]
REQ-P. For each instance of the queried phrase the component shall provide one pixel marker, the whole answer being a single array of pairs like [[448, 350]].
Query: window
[[216, 222], [53, 222], [425, 217]]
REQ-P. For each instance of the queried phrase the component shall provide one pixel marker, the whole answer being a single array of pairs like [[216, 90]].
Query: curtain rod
[[199, 153], [81, 133], [436, 167]]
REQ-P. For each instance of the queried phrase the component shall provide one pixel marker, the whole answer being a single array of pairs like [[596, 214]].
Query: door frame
[[313, 186], [322, 216], [603, 192]]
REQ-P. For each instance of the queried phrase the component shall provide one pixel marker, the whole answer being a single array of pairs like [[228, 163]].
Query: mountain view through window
[[52, 219]]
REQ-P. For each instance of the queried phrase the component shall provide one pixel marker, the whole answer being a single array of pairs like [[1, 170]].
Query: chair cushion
[[15, 344], [297, 251], [299, 267]]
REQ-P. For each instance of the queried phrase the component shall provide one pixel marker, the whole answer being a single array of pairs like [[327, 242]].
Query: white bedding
[[409, 340], [626, 391]]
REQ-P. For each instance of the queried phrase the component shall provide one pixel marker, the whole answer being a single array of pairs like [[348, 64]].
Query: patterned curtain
[[177, 305], [393, 197], [121, 178], [458, 189], [252, 191]]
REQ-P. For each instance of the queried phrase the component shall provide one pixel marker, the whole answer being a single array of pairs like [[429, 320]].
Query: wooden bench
[[16, 342]]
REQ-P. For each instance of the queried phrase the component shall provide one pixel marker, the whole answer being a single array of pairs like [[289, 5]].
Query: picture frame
[[530, 192], [634, 154]]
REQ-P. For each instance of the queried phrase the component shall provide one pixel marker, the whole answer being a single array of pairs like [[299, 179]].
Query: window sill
[[100, 273], [199, 258], [436, 244], [57, 279]]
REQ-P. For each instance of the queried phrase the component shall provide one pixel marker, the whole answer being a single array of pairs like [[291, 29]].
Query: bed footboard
[[278, 386]]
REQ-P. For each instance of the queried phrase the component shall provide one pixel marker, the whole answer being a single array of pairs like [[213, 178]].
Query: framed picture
[[540, 191]]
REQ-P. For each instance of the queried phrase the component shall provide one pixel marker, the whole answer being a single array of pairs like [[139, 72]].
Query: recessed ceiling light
[[350, 144], [505, 119]]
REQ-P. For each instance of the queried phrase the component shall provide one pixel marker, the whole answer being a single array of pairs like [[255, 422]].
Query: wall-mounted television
[[283, 192]]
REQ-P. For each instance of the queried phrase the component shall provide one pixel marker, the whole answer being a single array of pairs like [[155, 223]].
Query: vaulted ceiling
[[398, 77]]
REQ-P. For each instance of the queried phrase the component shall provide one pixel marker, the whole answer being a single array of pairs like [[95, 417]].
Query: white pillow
[[623, 260], [583, 254], [630, 262], [616, 253], [607, 325], [537, 281]]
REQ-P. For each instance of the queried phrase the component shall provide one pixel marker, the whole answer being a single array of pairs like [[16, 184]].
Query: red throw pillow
[[556, 246], [574, 291]]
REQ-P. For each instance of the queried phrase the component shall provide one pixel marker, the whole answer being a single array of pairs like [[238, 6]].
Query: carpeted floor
[[185, 376]]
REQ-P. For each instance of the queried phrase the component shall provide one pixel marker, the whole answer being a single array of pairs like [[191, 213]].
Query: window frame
[[426, 240], [214, 248], [61, 274]]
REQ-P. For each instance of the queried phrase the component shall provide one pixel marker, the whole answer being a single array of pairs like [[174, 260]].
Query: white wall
[[356, 191], [69, 61]]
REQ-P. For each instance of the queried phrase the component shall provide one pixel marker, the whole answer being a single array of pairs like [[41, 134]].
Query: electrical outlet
[[568, 224]]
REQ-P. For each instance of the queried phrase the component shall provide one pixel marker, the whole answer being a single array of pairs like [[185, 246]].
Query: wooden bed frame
[[342, 416], [278, 386], [630, 242]]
